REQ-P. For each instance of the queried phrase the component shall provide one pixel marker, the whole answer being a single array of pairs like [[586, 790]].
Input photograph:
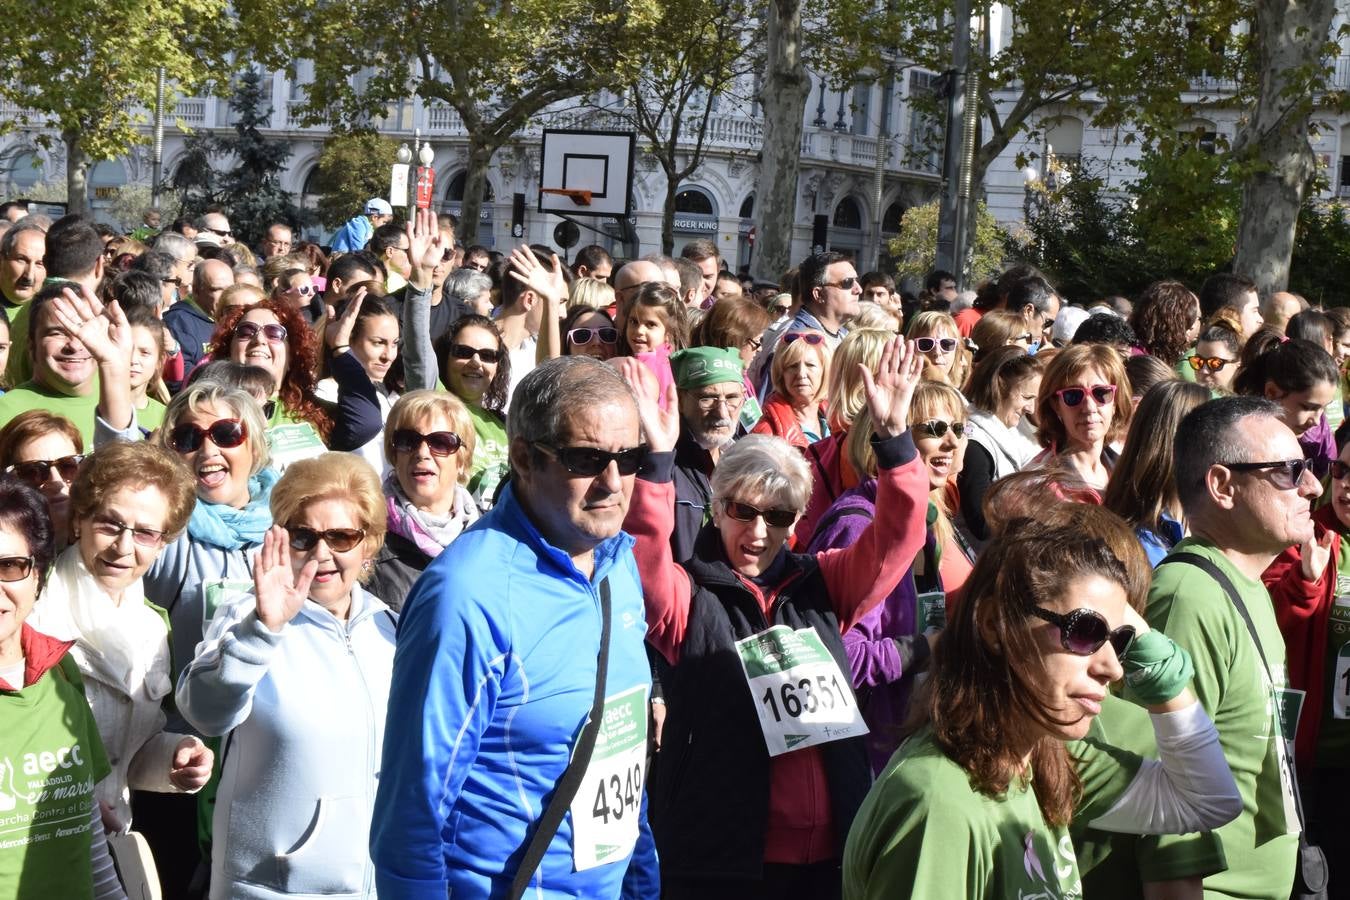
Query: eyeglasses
[[744, 512], [1339, 469], [926, 344], [440, 443], [844, 284], [304, 290], [581, 336], [938, 428], [112, 528], [591, 461], [486, 354], [15, 568], [339, 540], [272, 332], [1083, 631], [222, 232], [810, 337], [1213, 363], [1024, 336], [34, 472], [1102, 394], [175, 281], [1287, 474], [708, 404], [755, 344], [224, 433]]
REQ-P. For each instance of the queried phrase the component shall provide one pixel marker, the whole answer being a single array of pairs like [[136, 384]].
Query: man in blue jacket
[[356, 233], [192, 323], [496, 667]]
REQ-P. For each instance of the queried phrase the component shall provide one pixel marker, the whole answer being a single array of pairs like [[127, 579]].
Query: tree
[[496, 65], [354, 167], [914, 249], [87, 71], [1321, 253], [783, 97]]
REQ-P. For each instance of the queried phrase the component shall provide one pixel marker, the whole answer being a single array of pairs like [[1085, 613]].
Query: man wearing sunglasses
[[1038, 303], [1245, 489], [830, 293], [216, 223], [497, 665]]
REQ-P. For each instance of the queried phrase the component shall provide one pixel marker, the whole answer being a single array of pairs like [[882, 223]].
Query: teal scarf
[[233, 529]]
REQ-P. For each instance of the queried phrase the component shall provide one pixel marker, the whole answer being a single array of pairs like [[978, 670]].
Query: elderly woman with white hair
[[760, 703]]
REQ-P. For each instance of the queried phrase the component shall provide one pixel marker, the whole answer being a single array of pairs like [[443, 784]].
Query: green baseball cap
[[699, 367]]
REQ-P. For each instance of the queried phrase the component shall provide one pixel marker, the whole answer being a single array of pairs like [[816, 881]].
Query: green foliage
[[1322, 253], [130, 201], [914, 249], [354, 167]]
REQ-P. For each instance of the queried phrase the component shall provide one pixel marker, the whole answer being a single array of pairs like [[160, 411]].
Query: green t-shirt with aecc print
[[1333, 734], [1245, 703], [491, 458]]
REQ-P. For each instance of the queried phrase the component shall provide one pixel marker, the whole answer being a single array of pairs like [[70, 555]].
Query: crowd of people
[[397, 568]]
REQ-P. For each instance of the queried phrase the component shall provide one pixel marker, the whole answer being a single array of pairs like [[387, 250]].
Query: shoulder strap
[[548, 823]]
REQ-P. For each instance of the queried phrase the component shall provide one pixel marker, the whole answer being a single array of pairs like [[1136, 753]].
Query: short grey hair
[[1209, 436], [465, 285], [11, 238], [547, 398], [760, 467], [174, 244], [200, 394]]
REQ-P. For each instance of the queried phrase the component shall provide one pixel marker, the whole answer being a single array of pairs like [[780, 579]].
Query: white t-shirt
[[522, 363]]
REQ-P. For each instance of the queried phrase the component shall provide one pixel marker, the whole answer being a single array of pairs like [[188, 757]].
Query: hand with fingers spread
[[280, 591], [337, 333], [890, 391], [426, 247], [546, 281], [660, 426], [103, 330]]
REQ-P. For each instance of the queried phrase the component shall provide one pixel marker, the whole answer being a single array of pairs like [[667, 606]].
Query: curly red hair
[[297, 389]]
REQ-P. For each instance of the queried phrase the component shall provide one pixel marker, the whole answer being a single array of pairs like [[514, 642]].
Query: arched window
[[748, 207], [848, 214], [890, 222], [695, 201], [455, 192], [22, 169]]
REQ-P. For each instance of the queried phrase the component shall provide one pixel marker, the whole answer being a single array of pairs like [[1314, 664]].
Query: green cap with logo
[[699, 367]]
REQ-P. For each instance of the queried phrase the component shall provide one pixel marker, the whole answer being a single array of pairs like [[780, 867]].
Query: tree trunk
[[783, 96], [668, 213], [1289, 38], [475, 188], [77, 174]]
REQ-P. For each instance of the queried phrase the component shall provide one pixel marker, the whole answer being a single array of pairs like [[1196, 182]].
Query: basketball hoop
[[579, 197]]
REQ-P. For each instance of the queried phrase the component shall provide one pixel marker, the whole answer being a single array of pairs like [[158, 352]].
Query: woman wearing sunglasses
[[1083, 405], [295, 288], [783, 739], [130, 501], [56, 845], [296, 673], [977, 801], [800, 376], [1002, 392], [589, 332], [939, 341], [999, 328], [44, 451], [428, 440], [1215, 362]]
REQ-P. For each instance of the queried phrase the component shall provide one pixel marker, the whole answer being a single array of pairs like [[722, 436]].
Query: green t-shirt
[[1116, 865], [152, 416], [31, 395], [290, 438], [924, 832], [1230, 681], [1184, 367], [19, 368], [50, 759], [490, 455], [1333, 736]]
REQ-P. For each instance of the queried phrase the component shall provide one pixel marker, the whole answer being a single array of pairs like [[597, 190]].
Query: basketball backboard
[[586, 173]]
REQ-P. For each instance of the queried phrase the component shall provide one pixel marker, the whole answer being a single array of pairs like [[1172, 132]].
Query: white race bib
[[608, 803], [292, 443], [802, 697]]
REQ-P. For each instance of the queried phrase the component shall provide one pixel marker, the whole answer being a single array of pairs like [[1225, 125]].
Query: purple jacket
[[1319, 446], [884, 649]]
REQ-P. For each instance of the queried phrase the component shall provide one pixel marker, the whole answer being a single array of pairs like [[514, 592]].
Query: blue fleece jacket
[[354, 235], [192, 329], [493, 679]]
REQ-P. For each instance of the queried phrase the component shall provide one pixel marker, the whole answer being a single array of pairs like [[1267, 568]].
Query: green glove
[[1156, 668]]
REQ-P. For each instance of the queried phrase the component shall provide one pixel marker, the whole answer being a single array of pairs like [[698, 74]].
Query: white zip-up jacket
[[303, 712]]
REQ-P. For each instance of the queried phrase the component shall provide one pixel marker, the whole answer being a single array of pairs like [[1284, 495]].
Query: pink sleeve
[[666, 586]]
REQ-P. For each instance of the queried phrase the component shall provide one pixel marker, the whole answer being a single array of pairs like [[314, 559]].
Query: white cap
[[378, 207], [1067, 322]]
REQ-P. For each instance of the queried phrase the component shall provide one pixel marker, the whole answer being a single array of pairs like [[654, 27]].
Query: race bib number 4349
[[608, 804], [800, 693]]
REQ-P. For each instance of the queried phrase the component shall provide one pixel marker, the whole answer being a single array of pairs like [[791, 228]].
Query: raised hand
[[547, 282], [337, 333], [890, 391], [425, 246], [280, 591], [103, 330], [661, 426], [1316, 554], [190, 768]]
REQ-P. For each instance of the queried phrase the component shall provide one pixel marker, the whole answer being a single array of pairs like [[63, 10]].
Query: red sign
[[426, 183]]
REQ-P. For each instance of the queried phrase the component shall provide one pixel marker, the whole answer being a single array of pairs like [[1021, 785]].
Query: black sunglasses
[[1287, 473], [246, 331], [591, 461], [486, 354], [1339, 469], [339, 540], [938, 428], [34, 472], [744, 512], [582, 336], [15, 568], [224, 433], [1083, 631], [926, 344], [440, 443], [844, 284]]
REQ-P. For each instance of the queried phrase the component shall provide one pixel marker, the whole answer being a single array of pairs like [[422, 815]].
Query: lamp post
[[1029, 178], [426, 176], [398, 178]]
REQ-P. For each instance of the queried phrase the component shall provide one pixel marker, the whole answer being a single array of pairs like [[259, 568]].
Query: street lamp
[[426, 176], [1029, 178], [398, 177]]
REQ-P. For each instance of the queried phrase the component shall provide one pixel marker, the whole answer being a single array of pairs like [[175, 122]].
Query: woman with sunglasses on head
[[938, 339], [800, 376], [977, 801], [296, 672], [130, 501], [1002, 392], [785, 742], [1083, 405], [429, 442], [44, 451], [1301, 378]]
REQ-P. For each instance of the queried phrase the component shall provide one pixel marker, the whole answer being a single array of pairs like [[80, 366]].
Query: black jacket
[[398, 565], [693, 493]]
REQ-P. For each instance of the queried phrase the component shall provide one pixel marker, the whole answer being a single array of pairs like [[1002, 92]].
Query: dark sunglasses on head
[[224, 433], [440, 443], [1286, 474], [15, 568], [1213, 363], [339, 540], [744, 512], [810, 337], [1339, 469], [926, 344], [1101, 394], [34, 473], [486, 354], [1083, 631], [938, 428], [581, 336], [591, 461], [247, 331]]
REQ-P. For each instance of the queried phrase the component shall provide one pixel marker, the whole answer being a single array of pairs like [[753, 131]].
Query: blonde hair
[[874, 315], [847, 397], [934, 324], [334, 476], [198, 395], [415, 406], [789, 353], [590, 292]]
